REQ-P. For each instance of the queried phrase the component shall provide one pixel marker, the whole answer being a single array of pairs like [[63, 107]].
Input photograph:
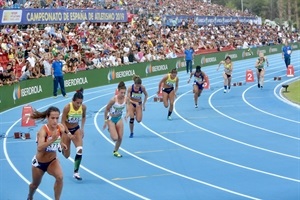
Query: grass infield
[[293, 92]]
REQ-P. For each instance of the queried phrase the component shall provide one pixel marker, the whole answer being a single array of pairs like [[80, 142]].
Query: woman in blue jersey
[[199, 80], [113, 117], [260, 69], [45, 160], [170, 86], [73, 114], [227, 75], [137, 104]]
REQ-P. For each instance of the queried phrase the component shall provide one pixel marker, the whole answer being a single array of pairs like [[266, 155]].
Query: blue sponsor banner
[[176, 20], [44, 16]]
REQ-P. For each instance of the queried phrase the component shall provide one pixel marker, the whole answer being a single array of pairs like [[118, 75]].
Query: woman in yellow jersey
[[45, 160], [73, 113], [170, 86], [227, 75], [113, 117], [260, 69], [137, 104]]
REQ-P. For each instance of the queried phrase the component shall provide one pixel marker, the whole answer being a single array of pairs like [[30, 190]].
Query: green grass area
[[293, 93]]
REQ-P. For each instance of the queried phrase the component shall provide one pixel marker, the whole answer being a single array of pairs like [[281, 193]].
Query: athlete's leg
[[55, 170], [37, 175], [78, 143]]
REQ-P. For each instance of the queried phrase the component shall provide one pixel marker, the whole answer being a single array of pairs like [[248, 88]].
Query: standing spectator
[[286, 54], [57, 75], [189, 57]]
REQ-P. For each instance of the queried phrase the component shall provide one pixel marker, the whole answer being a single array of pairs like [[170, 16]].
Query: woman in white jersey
[[260, 69], [45, 160], [73, 114], [113, 117], [227, 75], [170, 86], [137, 104]]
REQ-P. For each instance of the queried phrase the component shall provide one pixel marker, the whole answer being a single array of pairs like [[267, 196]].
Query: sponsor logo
[[111, 75], [126, 73], [205, 60], [19, 92], [261, 51], [294, 46], [246, 54], [76, 81], [148, 69], [232, 56], [272, 50], [156, 68]]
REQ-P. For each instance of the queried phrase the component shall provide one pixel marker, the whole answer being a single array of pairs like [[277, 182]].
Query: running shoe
[[77, 176], [196, 106], [228, 90], [169, 118], [225, 91], [131, 135], [116, 154], [258, 85]]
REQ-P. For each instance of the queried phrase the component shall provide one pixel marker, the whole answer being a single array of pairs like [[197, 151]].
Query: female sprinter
[[260, 69], [73, 113], [113, 117], [134, 94], [228, 67], [45, 160], [169, 90], [199, 80]]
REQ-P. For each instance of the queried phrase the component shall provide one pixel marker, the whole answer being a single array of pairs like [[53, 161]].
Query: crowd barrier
[[35, 89]]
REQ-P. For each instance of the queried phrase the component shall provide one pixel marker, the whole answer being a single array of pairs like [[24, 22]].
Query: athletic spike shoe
[[116, 154], [169, 118], [131, 135], [77, 176]]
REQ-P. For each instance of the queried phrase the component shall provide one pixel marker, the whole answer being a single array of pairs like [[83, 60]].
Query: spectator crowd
[[28, 51]]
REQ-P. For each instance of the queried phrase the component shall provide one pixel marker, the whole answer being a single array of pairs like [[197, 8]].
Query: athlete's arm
[[41, 140], [161, 82], [83, 116], [145, 94], [64, 117], [176, 85]]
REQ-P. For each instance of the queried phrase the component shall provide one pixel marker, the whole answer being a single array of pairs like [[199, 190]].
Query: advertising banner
[[45, 16]]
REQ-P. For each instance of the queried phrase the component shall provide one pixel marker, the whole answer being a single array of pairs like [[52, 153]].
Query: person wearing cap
[[227, 75], [198, 84], [260, 69]]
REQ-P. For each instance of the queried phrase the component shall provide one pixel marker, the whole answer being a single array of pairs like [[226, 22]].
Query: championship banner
[[45, 16]]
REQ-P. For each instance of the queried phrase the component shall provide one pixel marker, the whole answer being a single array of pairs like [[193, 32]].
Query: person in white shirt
[[31, 59]]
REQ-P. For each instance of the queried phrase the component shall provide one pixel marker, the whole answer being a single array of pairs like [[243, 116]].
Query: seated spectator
[[27, 74], [36, 71]]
